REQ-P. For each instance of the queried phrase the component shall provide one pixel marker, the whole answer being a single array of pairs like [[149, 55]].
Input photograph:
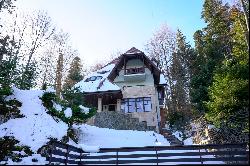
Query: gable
[[134, 53]]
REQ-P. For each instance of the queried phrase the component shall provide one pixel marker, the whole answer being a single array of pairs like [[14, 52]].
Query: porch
[[104, 101]]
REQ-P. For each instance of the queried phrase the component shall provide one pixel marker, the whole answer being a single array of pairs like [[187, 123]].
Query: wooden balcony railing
[[135, 70]]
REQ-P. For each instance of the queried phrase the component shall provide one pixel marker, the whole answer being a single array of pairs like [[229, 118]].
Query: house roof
[[98, 81], [133, 50], [102, 80]]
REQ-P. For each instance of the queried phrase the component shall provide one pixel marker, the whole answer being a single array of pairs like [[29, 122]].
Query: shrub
[[78, 116], [9, 108], [9, 145]]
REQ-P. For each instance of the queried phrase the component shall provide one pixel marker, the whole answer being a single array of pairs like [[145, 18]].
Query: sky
[[100, 28]]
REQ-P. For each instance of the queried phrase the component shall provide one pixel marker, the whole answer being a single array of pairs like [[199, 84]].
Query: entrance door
[[112, 107]]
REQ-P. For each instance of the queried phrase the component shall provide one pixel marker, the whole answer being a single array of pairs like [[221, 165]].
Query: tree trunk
[[59, 71], [247, 22]]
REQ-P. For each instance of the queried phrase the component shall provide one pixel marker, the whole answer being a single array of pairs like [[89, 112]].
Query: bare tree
[[245, 6], [161, 47], [41, 31], [7, 4], [31, 32], [52, 70]]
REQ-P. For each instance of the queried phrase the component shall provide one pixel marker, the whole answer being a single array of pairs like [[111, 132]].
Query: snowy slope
[[110, 138], [37, 126], [35, 129]]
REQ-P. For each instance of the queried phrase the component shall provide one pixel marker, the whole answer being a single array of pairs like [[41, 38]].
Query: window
[[147, 104], [98, 77], [139, 105], [93, 78], [131, 105], [142, 104], [102, 72]]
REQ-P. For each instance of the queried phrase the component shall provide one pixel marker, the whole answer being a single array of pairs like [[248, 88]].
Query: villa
[[130, 84]]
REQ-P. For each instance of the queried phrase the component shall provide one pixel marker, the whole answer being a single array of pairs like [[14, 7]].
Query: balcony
[[135, 74]]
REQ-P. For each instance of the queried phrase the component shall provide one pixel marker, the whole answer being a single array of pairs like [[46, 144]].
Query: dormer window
[[93, 78], [102, 72]]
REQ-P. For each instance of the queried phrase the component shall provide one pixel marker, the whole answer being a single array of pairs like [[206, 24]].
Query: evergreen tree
[[229, 95], [181, 73], [213, 45], [28, 77], [74, 75]]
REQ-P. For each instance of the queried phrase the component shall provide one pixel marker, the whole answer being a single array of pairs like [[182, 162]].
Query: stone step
[[171, 138]]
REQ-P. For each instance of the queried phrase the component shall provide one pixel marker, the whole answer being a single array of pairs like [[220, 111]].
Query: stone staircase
[[171, 138], [119, 121]]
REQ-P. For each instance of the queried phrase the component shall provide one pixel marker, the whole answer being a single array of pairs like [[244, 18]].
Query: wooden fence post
[[200, 156], [67, 155], [50, 152], [80, 158], [117, 162], [156, 153]]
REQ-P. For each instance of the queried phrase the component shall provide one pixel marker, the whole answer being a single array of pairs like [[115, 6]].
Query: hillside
[[37, 127]]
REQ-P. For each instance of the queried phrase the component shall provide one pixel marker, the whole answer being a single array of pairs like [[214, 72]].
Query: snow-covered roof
[[162, 80], [98, 81]]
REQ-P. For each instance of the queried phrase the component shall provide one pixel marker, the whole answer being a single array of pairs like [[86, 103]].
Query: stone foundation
[[119, 121]]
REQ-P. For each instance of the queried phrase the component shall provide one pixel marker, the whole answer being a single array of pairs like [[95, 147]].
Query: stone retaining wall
[[118, 121]]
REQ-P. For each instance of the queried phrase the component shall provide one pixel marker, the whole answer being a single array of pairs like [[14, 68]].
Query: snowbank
[[110, 138], [178, 135], [37, 160], [35, 129], [87, 148]]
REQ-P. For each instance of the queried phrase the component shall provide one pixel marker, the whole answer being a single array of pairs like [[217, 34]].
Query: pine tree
[[74, 75], [229, 94], [181, 72], [213, 45]]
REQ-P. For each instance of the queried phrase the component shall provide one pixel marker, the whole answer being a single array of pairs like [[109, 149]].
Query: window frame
[[126, 103]]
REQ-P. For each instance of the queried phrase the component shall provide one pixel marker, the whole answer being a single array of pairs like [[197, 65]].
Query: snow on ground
[[35, 129], [37, 160], [92, 138], [188, 141], [110, 138], [178, 135]]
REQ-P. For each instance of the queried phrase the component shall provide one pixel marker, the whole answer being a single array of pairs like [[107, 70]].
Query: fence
[[153, 155]]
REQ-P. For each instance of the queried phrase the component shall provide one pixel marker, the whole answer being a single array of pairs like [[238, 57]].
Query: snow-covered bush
[[11, 149], [8, 108], [68, 111]]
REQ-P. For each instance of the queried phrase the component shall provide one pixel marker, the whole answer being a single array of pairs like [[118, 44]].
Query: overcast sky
[[99, 28]]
